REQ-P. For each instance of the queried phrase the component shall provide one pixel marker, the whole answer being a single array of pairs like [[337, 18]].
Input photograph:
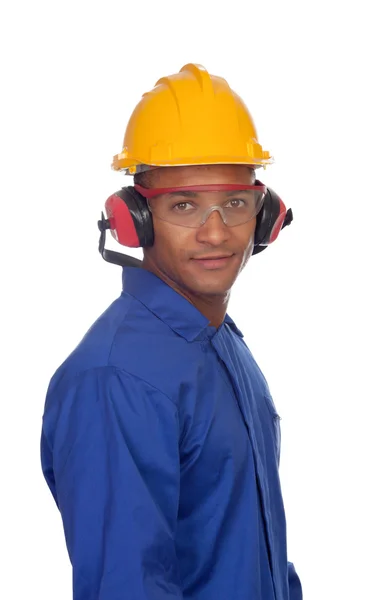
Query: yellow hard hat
[[190, 118]]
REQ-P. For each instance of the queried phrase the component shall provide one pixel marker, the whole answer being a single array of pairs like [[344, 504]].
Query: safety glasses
[[190, 206]]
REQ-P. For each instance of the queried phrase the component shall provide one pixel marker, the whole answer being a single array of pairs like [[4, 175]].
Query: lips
[[213, 262], [218, 257]]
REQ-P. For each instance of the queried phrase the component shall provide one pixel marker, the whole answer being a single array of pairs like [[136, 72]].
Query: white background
[[309, 306]]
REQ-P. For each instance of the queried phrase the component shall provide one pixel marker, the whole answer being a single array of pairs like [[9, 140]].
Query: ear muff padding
[[130, 219]]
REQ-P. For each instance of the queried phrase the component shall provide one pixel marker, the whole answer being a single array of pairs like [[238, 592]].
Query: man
[[160, 440]]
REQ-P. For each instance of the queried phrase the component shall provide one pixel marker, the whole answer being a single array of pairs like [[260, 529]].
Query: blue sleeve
[[110, 456], [295, 589]]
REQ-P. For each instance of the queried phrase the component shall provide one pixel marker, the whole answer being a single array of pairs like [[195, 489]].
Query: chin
[[211, 281], [211, 284]]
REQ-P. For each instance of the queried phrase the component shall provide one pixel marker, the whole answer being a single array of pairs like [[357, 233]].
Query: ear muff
[[270, 220], [129, 218], [130, 223]]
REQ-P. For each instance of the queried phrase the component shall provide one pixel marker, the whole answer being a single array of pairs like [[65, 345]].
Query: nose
[[214, 231]]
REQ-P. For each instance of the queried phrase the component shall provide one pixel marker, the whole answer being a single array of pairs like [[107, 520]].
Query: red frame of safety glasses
[[152, 192]]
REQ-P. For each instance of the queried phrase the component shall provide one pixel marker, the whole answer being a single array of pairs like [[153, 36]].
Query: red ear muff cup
[[129, 218], [121, 221]]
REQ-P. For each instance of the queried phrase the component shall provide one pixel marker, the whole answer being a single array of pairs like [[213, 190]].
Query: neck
[[213, 307]]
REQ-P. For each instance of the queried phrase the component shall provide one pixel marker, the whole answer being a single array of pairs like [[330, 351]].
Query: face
[[178, 252]]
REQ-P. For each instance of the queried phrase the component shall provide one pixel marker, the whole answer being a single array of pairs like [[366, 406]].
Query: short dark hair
[[145, 179]]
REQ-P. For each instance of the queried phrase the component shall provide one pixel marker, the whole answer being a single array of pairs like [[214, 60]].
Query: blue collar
[[169, 306]]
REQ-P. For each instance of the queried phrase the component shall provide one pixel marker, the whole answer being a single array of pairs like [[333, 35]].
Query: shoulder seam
[[78, 374], [117, 329]]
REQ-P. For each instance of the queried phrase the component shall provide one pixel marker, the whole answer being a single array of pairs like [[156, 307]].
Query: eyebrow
[[189, 194], [184, 194], [239, 192]]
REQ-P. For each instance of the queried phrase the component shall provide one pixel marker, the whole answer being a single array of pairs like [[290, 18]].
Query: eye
[[236, 203], [182, 206]]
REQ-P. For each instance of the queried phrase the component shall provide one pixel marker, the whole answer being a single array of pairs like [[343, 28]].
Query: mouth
[[214, 262]]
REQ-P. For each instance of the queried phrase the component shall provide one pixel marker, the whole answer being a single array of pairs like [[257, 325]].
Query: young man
[[160, 439]]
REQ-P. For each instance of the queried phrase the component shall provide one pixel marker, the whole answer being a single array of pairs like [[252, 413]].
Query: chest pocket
[[275, 425]]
